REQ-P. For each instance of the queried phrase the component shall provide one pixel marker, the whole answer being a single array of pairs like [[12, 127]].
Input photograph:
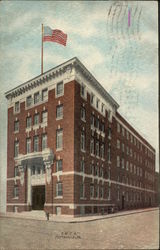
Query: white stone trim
[[100, 179], [71, 205], [18, 204]]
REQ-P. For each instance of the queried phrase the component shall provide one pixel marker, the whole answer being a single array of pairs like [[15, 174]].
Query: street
[[134, 231]]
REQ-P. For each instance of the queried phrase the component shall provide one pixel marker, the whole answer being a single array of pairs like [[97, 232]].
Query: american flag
[[56, 36]]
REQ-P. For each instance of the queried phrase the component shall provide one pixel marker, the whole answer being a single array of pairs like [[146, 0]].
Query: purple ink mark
[[129, 18]]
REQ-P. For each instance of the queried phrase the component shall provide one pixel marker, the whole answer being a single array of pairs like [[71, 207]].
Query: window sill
[[59, 149], [35, 104], [16, 132], [58, 197], [59, 95], [16, 112], [36, 126], [15, 198], [44, 124], [84, 151], [83, 198], [59, 118], [83, 120]]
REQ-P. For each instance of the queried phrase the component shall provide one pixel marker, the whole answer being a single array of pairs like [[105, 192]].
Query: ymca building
[[70, 151]]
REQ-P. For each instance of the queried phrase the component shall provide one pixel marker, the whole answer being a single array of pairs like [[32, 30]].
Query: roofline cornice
[[54, 72]]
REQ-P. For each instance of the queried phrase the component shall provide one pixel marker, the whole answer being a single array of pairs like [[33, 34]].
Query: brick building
[[70, 151]]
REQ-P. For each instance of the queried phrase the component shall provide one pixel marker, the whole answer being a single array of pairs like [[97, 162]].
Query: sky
[[121, 54]]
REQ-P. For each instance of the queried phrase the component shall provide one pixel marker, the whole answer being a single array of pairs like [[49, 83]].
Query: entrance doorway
[[38, 197]]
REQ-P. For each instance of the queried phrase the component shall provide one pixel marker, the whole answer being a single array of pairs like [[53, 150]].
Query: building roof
[[52, 72]]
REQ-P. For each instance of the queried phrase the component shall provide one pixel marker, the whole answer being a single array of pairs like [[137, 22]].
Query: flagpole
[[42, 52]]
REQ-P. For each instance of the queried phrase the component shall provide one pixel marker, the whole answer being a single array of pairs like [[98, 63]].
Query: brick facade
[[90, 181]]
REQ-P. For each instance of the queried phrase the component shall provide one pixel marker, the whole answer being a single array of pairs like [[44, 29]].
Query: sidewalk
[[40, 215]]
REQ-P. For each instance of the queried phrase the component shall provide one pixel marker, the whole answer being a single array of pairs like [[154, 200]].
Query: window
[[102, 151], [118, 143], [17, 107], [44, 94], [134, 169], [131, 167], [118, 194], [82, 90], [97, 148], [16, 126], [131, 138], [109, 153], [97, 103], [101, 192], [127, 134], [15, 171], [59, 111], [16, 148], [92, 146], [82, 190], [109, 132], [36, 98], [92, 120], [123, 131], [29, 101], [82, 166], [92, 98], [127, 149], [102, 108], [102, 127], [122, 163], [59, 139], [92, 169], [44, 141], [59, 89], [33, 170], [96, 170], [97, 123], [82, 141], [28, 145], [97, 191], [38, 170], [29, 122], [131, 152], [123, 147], [59, 190], [44, 116], [135, 141], [118, 128], [118, 161], [36, 119], [91, 190], [59, 164], [16, 192], [127, 165], [83, 113], [36, 143]]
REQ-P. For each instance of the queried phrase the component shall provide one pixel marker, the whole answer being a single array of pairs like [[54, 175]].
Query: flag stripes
[[54, 36]]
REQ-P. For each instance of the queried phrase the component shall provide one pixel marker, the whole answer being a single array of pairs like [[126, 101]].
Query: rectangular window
[[97, 123], [15, 171], [83, 113], [16, 126], [92, 120], [44, 141], [16, 148], [96, 170], [122, 163], [59, 112], [16, 192], [101, 192], [44, 94], [82, 190], [91, 169], [36, 98], [109, 132], [127, 150], [109, 153], [118, 194], [59, 89], [123, 147], [59, 164], [17, 107], [83, 141], [102, 151], [29, 101], [123, 131], [36, 143], [82, 166], [92, 146], [36, 119], [127, 165], [102, 127], [97, 191], [118, 161], [28, 122], [97, 103], [92, 98], [33, 170], [28, 145], [59, 190], [102, 108], [131, 152], [82, 90], [97, 148], [91, 190], [118, 128], [118, 144], [131, 167], [59, 139], [44, 116], [127, 134]]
